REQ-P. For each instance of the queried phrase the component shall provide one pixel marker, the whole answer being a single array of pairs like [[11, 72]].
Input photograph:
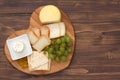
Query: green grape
[[69, 50], [51, 56], [70, 43], [51, 50], [63, 58], [58, 41], [57, 59], [56, 47], [54, 51], [67, 38], [62, 49], [59, 53], [66, 53], [63, 45]]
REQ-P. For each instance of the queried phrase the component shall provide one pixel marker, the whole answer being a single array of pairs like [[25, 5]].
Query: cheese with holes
[[50, 14]]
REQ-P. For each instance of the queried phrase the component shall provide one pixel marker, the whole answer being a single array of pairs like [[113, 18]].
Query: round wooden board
[[35, 22]]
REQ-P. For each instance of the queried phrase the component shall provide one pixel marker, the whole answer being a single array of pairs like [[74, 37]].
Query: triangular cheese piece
[[45, 66], [36, 59]]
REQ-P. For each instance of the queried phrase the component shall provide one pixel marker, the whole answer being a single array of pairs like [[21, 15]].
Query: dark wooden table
[[97, 30]]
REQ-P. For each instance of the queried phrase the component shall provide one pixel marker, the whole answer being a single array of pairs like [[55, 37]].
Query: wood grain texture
[[35, 22], [97, 31]]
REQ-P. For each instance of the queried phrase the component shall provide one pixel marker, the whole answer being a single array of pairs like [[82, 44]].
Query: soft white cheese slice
[[57, 29], [54, 30]]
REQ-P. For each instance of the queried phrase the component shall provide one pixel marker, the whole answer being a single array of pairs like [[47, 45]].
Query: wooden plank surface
[[97, 31]]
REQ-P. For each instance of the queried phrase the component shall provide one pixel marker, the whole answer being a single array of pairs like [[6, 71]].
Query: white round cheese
[[18, 46]]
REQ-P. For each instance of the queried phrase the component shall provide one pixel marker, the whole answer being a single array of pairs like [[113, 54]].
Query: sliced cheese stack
[[57, 29], [38, 61], [49, 14]]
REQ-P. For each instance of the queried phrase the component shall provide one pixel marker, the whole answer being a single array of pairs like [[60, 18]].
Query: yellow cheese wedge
[[50, 14]]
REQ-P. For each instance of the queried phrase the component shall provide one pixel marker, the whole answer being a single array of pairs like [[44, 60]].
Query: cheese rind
[[50, 14], [62, 28]]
